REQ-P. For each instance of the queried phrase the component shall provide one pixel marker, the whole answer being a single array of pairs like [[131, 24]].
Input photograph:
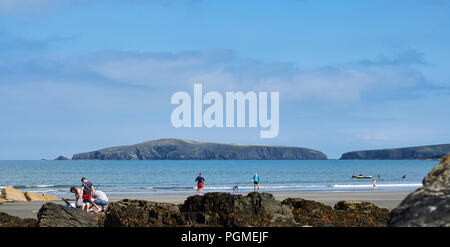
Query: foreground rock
[[224, 209], [255, 209], [344, 214], [429, 205], [11, 194], [177, 149], [55, 215], [7, 220], [137, 213]]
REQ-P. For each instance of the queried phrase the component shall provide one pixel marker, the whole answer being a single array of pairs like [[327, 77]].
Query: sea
[[177, 176]]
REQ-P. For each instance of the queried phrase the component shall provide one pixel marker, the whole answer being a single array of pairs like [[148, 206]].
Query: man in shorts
[[200, 181]]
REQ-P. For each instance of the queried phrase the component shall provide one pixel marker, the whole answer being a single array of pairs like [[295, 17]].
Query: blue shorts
[[100, 202]]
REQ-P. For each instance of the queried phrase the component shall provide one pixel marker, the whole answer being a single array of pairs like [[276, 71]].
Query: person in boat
[[256, 181]]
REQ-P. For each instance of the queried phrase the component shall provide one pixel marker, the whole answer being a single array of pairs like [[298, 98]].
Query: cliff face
[[176, 149], [420, 152]]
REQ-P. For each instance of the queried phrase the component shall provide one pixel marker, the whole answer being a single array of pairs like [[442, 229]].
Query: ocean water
[[167, 176]]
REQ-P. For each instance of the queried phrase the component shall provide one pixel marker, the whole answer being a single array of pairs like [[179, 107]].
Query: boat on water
[[361, 176]]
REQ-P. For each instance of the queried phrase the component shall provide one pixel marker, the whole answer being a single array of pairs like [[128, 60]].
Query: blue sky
[[82, 75]]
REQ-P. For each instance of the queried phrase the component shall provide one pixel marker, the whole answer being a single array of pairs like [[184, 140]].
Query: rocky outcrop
[[176, 149], [31, 196], [61, 158], [224, 209], [429, 205], [344, 214], [7, 220], [138, 213], [11, 194], [254, 209], [55, 215], [361, 214], [49, 198], [420, 152]]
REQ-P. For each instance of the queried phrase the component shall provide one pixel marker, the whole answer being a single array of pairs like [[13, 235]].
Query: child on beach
[[236, 189], [374, 183], [256, 181], [200, 180], [88, 190]]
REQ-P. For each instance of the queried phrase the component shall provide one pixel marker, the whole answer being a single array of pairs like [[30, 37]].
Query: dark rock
[[309, 213], [61, 158], [176, 149], [138, 213], [429, 205], [55, 215], [7, 220], [420, 152], [224, 209], [345, 214], [357, 213], [252, 210]]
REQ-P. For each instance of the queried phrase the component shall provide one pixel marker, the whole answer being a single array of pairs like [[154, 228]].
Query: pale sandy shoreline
[[386, 199]]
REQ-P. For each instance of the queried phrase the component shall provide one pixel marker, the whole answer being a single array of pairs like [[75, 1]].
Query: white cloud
[[223, 70]]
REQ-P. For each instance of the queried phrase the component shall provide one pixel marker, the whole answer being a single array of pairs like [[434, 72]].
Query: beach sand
[[384, 199]]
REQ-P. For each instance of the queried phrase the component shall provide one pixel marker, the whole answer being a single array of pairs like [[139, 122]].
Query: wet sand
[[384, 199]]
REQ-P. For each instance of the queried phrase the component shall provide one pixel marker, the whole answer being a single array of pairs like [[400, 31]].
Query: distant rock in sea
[[61, 158], [408, 153], [429, 205], [177, 149]]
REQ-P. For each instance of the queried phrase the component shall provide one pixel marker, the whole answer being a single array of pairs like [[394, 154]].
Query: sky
[[79, 75]]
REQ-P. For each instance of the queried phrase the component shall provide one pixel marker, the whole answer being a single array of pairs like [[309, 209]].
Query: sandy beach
[[384, 199]]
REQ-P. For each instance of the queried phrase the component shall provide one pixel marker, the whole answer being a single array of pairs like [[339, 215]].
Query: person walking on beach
[[200, 180], [88, 191], [374, 183], [256, 182]]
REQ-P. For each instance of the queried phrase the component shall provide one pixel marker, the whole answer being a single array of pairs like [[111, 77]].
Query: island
[[178, 149], [61, 158], [432, 152]]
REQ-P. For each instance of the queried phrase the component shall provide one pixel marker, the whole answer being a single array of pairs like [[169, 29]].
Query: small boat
[[361, 176]]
